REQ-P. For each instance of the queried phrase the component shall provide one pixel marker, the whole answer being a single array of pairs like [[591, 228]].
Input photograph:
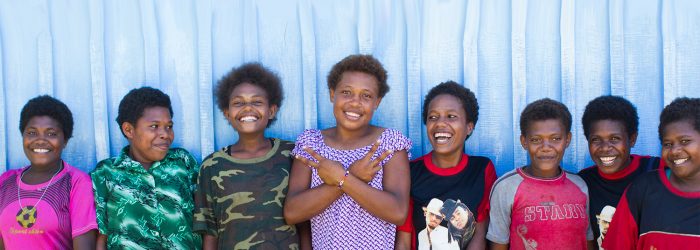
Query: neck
[[146, 164], [352, 135], [252, 143], [48, 169], [688, 185], [446, 160], [539, 173]]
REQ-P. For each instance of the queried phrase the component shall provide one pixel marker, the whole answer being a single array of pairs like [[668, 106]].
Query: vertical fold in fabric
[[204, 72], [100, 105]]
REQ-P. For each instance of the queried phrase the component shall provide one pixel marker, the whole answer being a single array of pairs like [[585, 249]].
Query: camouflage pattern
[[240, 200], [146, 209]]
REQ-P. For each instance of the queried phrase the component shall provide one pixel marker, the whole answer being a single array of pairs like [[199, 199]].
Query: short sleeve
[[204, 217], [393, 140], [82, 208], [501, 204], [101, 193], [623, 232], [489, 180], [408, 224], [308, 138]]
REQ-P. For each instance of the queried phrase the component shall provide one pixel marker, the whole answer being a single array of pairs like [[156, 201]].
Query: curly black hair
[[45, 105], [255, 74], [680, 109], [545, 109], [610, 107], [465, 96], [137, 100], [359, 63]]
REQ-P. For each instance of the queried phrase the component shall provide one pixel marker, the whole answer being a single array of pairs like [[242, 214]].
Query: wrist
[[342, 179]]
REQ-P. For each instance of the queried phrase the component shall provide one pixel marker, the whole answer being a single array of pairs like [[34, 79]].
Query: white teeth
[[248, 118], [607, 161], [680, 161], [40, 150], [352, 114], [442, 137]]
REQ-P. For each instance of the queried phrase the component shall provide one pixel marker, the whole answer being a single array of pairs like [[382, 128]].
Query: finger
[[306, 162], [382, 157], [313, 153], [373, 150]]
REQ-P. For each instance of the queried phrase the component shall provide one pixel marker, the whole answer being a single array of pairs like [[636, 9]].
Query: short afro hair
[[680, 109], [544, 109], [359, 63], [464, 95], [255, 74], [613, 108], [45, 105], [137, 100]]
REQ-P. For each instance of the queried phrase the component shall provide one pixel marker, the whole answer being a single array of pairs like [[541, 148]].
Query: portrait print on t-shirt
[[604, 218], [449, 225]]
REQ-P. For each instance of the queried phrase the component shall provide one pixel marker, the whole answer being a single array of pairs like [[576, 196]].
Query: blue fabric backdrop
[[90, 53]]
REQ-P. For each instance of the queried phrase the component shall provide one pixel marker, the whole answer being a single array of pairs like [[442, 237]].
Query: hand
[[330, 172], [365, 168]]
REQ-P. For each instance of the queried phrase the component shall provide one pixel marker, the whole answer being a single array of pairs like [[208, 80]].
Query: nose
[[675, 149]]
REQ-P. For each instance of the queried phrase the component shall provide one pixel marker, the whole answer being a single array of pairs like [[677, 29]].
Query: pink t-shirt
[[532, 213], [67, 210]]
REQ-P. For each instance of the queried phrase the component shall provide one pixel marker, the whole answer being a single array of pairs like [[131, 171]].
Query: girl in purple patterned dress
[[352, 180]]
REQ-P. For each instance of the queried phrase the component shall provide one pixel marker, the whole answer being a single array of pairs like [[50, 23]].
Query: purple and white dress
[[344, 224]]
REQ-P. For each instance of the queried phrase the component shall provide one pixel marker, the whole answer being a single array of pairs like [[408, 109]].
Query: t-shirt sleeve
[[489, 179], [81, 205], [395, 141], [204, 218], [623, 231], [500, 207], [408, 224], [305, 139], [101, 193]]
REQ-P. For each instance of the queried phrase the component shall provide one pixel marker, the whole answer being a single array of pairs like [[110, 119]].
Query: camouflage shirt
[[146, 209], [240, 200]]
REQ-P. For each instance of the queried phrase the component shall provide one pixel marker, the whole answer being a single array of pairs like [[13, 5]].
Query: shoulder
[[76, 173], [643, 182], [509, 180], [181, 154], [589, 171], [309, 136], [284, 144], [395, 140], [212, 159], [482, 161], [10, 173], [103, 165], [578, 181]]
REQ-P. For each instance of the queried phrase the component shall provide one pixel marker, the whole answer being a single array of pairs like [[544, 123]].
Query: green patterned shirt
[[240, 200], [146, 209]]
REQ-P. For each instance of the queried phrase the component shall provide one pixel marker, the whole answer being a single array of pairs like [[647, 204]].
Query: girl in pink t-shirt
[[48, 204]]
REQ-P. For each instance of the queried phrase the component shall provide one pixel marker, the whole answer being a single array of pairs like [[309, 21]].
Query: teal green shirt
[[146, 209]]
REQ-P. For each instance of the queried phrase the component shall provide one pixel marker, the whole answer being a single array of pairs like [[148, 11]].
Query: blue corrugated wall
[[90, 53]]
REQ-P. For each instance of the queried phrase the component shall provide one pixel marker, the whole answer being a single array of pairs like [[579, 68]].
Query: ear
[[376, 105], [568, 139], [332, 95], [470, 128], [273, 111], [523, 142], [128, 130], [633, 140]]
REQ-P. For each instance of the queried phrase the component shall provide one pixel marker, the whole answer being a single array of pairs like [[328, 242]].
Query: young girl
[[659, 210], [351, 180], [241, 187], [48, 204], [144, 195], [540, 206], [610, 124], [463, 182]]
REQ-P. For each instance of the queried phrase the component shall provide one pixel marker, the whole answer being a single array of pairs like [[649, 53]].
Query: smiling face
[[151, 136], [681, 150], [609, 145], [249, 110], [447, 125], [43, 141], [354, 100], [545, 142]]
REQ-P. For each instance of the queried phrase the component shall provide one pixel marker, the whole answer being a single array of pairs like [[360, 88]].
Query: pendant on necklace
[[26, 216]]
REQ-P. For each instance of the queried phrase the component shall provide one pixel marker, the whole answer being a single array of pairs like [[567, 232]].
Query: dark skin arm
[[101, 241], [496, 246], [304, 230], [85, 241], [591, 245], [2, 245], [209, 242], [303, 202], [479, 239], [403, 241]]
